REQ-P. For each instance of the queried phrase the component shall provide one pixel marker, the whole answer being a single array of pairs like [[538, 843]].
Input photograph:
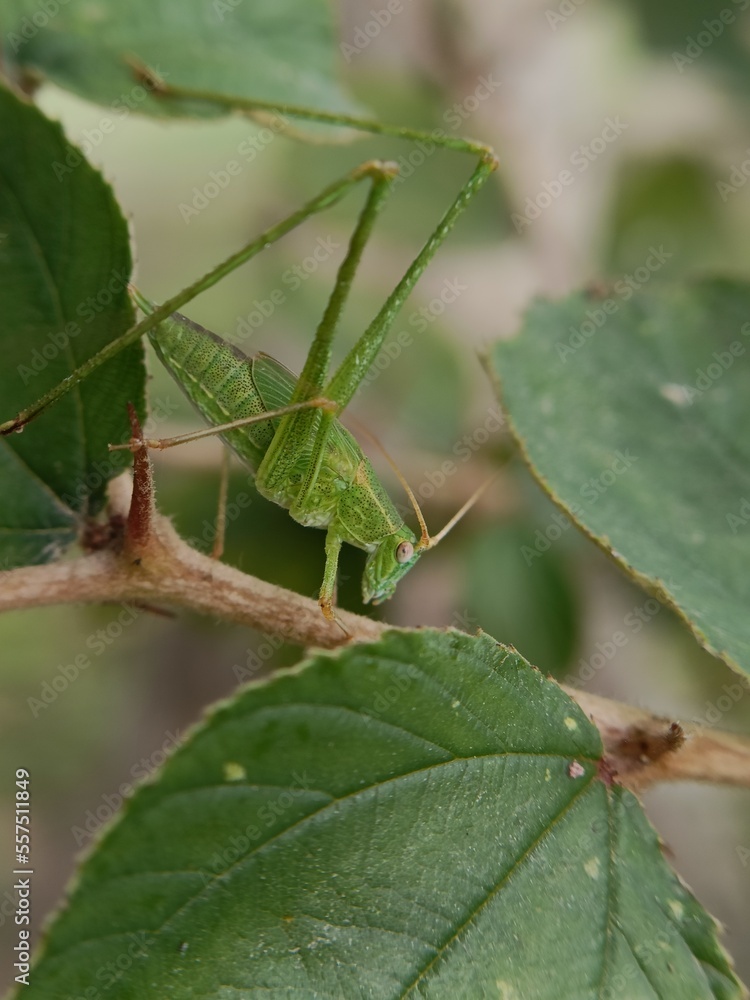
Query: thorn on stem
[[140, 515]]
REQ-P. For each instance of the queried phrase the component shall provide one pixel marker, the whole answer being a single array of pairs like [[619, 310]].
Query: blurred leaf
[[630, 411], [694, 34], [64, 268], [671, 203], [527, 599], [407, 816], [270, 50]]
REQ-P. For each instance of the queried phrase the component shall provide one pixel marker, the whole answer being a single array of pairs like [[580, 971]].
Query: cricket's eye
[[404, 552]]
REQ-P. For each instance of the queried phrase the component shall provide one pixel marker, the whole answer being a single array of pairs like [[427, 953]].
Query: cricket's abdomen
[[218, 380]]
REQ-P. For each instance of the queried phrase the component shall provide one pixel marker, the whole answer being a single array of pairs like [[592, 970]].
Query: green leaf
[[631, 411], [696, 38], [270, 50], [671, 201], [421, 816], [64, 268]]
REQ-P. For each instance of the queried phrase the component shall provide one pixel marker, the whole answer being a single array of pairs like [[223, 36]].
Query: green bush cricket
[[285, 428]]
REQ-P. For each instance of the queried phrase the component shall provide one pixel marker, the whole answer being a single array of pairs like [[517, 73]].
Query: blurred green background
[[553, 74]]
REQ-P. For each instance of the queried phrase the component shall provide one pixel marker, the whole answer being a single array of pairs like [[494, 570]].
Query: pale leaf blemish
[[506, 991], [455, 703], [547, 774], [575, 770], [592, 867], [678, 910], [677, 394], [234, 771], [570, 723]]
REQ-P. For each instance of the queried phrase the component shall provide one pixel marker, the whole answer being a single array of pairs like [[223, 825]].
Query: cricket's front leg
[[328, 587]]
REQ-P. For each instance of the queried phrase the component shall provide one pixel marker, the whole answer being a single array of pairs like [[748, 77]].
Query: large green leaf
[[634, 421], [422, 816], [64, 269], [271, 50]]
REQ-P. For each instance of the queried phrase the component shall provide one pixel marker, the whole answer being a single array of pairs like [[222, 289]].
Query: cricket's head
[[393, 558], [395, 554]]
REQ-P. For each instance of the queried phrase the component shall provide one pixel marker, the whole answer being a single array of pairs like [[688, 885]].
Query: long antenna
[[426, 541], [460, 513]]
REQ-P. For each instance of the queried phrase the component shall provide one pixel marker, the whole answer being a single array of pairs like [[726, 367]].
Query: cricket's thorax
[[224, 385]]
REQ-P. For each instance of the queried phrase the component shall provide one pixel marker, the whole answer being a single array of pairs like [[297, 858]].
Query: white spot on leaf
[[592, 867], [234, 771], [506, 991]]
